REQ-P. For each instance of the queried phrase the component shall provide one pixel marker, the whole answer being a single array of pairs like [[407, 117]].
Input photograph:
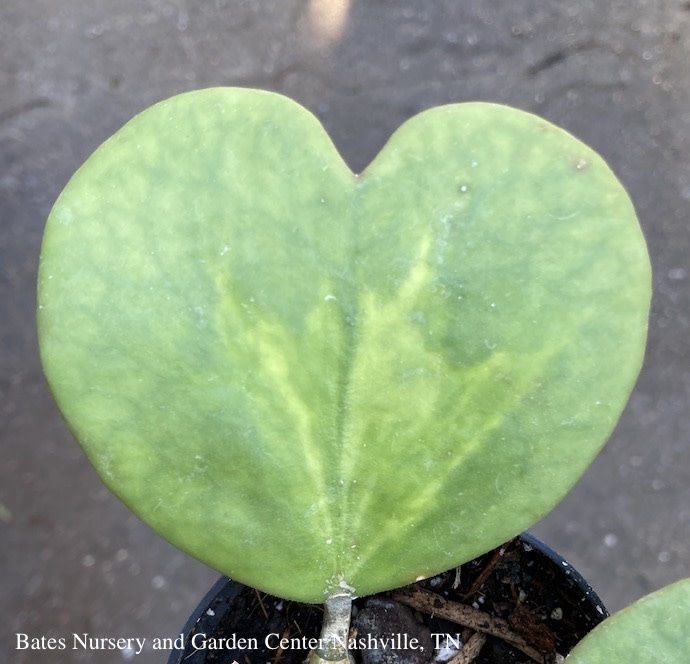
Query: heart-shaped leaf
[[311, 379], [654, 630]]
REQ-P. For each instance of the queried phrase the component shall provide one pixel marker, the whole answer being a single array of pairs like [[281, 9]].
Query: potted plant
[[328, 385]]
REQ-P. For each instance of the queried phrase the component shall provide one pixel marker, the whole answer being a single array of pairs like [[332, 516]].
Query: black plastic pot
[[523, 587]]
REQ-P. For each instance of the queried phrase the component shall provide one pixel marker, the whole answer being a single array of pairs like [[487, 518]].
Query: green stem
[[334, 631]]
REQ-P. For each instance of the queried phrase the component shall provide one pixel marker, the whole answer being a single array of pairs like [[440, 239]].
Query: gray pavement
[[72, 559]]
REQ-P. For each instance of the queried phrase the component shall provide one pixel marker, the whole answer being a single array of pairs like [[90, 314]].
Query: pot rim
[[568, 569]]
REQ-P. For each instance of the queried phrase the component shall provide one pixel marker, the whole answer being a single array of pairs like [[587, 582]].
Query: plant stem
[[334, 631]]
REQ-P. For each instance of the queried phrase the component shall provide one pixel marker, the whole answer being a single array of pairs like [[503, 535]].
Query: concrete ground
[[614, 73]]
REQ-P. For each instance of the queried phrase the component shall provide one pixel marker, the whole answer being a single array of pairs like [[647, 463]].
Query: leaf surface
[[310, 379], [654, 630]]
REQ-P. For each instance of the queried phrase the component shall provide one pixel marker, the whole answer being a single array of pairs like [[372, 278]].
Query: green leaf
[[308, 378], [654, 630]]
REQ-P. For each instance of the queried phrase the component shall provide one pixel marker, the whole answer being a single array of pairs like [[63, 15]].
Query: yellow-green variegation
[[314, 380]]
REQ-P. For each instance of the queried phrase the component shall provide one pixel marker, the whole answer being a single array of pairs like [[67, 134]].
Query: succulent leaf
[[312, 380], [651, 631]]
